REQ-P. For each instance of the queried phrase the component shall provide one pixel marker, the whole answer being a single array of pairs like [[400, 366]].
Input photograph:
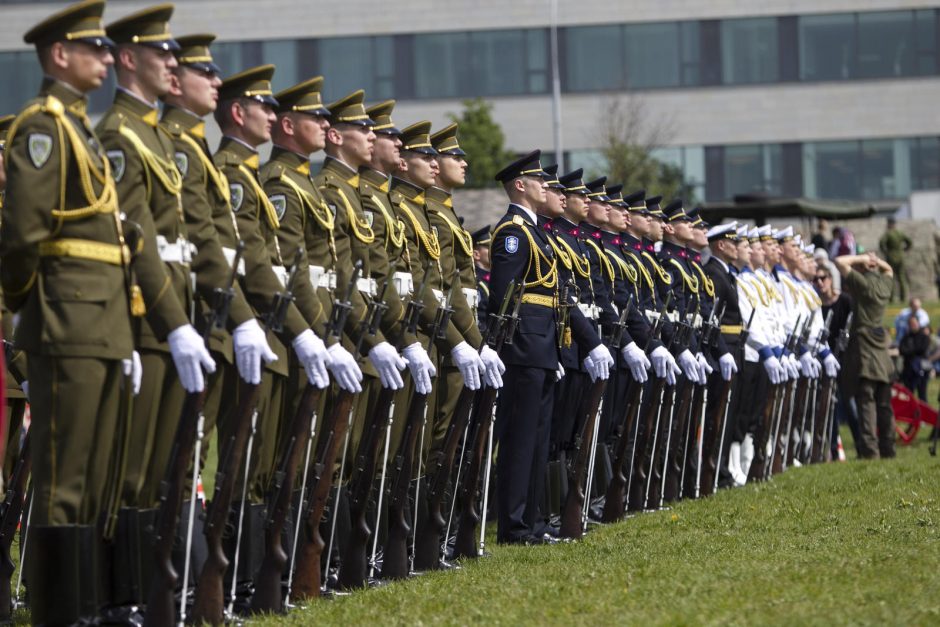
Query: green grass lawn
[[849, 543]]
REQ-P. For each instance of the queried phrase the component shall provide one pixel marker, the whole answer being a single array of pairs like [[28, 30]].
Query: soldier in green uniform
[[149, 188], [481, 265], [456, 260], [15, 374], [194, 87], [65, 271], [868, 368], [894, 246], [246, 114]]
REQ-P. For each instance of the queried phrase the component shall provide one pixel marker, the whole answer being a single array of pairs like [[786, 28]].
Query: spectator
[[840, 304], [915, 310], [843, 243], [936, 260], [914, 349], [867, 366], [819, 239], [893, 246]]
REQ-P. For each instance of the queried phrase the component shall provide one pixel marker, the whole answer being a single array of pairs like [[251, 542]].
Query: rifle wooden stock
[[465, 544], [332, 437], [267, 595], [615, 499], [762, 436], [820, 437], [783, 428], [427, 550], [654, 496], [395, 552], [675, 455], [799, 405], [208, 605], [354, 562], [572, 524], [645, 443], [9, 520], [712, 444], [161, 603]]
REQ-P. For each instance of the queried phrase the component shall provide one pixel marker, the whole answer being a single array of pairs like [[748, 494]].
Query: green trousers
[[75, 437]]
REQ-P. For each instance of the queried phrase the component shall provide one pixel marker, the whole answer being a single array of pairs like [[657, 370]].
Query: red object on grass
[[909, 413]]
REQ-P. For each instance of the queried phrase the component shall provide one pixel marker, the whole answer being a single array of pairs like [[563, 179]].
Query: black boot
[[62, 569]]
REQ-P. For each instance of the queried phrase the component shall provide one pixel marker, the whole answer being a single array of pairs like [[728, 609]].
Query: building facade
[[821, 98]]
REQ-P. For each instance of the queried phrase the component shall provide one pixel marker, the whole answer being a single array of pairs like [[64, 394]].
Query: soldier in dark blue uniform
[[521, 251]]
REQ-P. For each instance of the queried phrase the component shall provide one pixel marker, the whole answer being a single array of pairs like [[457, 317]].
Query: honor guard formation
[[375, 381]]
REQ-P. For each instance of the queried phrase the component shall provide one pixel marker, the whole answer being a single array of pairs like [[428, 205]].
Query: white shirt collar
[[528, 212]]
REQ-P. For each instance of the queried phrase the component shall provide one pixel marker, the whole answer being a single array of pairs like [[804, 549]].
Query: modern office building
[[815, 98]]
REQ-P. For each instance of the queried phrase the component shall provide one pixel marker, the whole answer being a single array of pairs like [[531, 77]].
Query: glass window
[[22, 77], [925, 27], [441, 64], [749, 50], [228, 56], [754, 168], [925, 162], [885, 44], [346, 64], [283, 54], [831, 169], [593, 57], [690, 42], [592, 161], [652, 54], [383, 79], [499, 63], [878, 173], [537, 56], [827, 47]]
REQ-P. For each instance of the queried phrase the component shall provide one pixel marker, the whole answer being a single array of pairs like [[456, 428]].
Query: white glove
[[601, 360], [250, 348], [703, 368], [134, 370], [315, 358], [190, 356], [389, 364], [792, 366], [727, 366], [775, 370], [664, 365], [419, 363], [345, 370], [689, 365], [637, 362], [817, 368], [494, 368], [469, 363], [832, 366], [808, 365], [559, 372]]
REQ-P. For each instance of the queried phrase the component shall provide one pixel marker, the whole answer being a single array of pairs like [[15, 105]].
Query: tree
[[483, 141], [628, 138]]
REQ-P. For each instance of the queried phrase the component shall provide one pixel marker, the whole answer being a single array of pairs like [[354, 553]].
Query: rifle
[[618, 489], [10, 514], [353, 564], [307, 576], [816, 418], [431, 524], [268, 595], [784, 405], [574, 515], [163, 583], [395, 564], [497, 334], [208, 604]]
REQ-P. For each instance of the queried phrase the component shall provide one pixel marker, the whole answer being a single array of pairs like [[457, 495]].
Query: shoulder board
[[112, 121], [225, 158], [518, 220], [271, 171], [395, 197], [173, 128]]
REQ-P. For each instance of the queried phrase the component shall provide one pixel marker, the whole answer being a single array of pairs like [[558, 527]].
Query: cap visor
[[454, 152], [391, 130], [98, 42], [423, 150], [166, 44], [211, 68]]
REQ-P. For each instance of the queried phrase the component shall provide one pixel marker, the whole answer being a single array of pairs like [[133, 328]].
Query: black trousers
[[523, 427]]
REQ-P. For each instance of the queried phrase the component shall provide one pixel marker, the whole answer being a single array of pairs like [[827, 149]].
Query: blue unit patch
[[512, 244]]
